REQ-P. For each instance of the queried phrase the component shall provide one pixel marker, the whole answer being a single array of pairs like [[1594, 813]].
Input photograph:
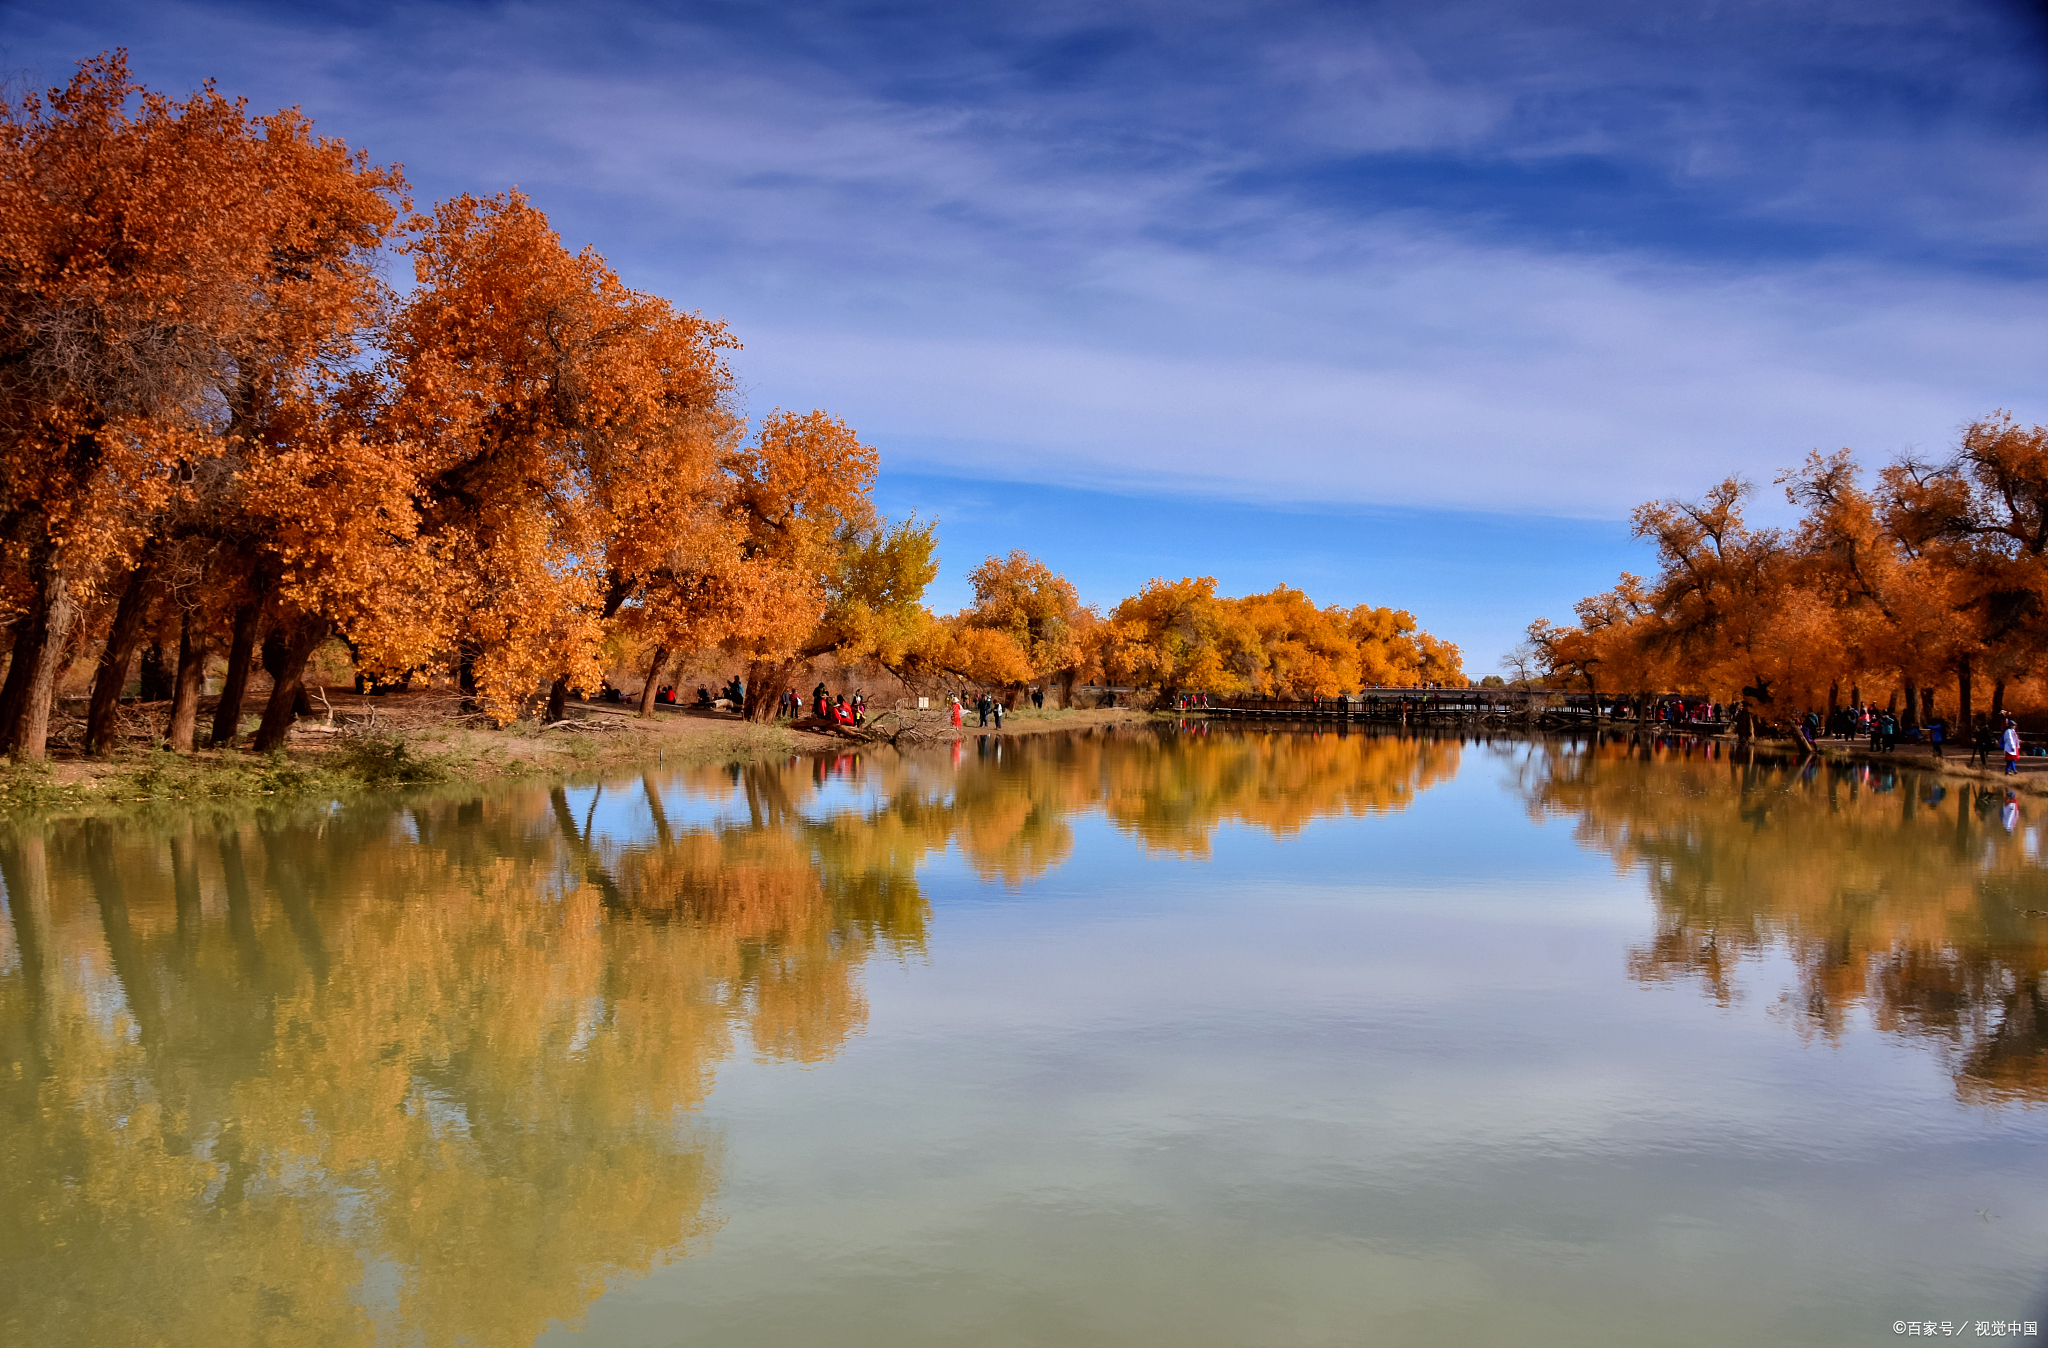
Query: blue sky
[[1406, 304]]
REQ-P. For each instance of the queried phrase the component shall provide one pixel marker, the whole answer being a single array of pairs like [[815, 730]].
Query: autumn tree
[[1980, 521], [162, 264], [568, 432], [824, 572], [1026, 623], [1938, 572], [1173, 635]]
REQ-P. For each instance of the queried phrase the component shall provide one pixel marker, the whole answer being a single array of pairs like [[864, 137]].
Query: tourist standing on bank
[[996, 706], [954, 703], [2010, 743]]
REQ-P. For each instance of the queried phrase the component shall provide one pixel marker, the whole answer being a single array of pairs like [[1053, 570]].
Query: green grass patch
[[388, 760]]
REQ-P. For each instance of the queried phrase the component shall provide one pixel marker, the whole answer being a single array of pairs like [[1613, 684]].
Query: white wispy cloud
[[1150, 247]]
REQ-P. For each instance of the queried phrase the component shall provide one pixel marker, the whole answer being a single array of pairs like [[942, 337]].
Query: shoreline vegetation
[[382, 743], [235, 465]]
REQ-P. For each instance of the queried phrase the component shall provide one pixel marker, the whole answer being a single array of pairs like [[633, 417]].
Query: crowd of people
[[1881, 726]]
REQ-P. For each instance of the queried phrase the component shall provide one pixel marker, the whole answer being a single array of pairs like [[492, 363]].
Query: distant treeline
[[226, 435]]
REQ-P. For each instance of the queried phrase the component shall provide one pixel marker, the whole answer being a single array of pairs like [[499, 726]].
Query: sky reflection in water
[[1192, 1038]]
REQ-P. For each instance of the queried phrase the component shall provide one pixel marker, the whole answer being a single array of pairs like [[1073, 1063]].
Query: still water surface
[[1132, 1038]]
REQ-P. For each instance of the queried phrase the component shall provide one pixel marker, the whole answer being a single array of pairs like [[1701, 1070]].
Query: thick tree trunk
[[653, 677], [1912, 708], [112, 675], [27, 737], [154, 681], [288, 682], [1997, 700], [191, 682], [767, 681], [227, 717], [276, 652], [1963, 695], [1834, 701], [558, 700], [29, 632]]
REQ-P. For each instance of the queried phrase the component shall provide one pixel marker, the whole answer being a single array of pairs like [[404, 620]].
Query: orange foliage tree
[[167, 269], [1183, 636], [1932, 575]]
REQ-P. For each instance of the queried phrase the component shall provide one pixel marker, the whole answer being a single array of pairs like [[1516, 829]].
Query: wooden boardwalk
[[1397, 705]]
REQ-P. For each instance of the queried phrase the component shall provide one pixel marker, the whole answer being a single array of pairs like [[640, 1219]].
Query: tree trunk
[[1963, 694], [1912, 708], [27, 737], [288, 682], [767, 681], [29, 633], [1834, 702], [227, 717], [558, 699], [190, 683], [154, 685], [1997, 700], [112, 675], [653, 676]]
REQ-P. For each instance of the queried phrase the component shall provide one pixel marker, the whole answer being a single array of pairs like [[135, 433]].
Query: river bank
[[360, 743], [2031, 778]]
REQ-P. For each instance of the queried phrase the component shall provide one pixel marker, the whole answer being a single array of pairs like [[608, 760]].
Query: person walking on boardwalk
[[1980, 745], [1936, 732], [2010, 743]]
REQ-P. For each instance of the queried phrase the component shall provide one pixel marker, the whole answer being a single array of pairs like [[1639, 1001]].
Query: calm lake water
[[1171, 1038]]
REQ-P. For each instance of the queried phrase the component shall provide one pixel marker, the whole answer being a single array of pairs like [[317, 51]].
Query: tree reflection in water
[[426, 1071], [1891, 892]]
